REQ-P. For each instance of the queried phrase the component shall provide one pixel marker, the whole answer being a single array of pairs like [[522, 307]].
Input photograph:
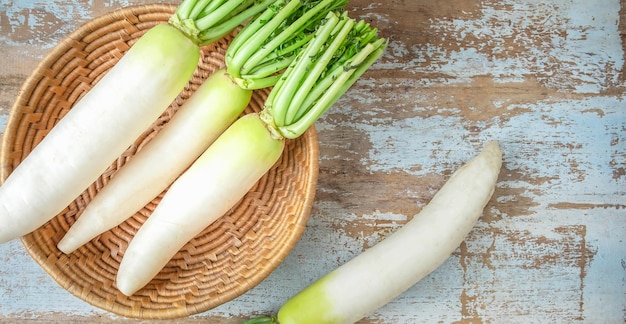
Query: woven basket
[[228, 258]]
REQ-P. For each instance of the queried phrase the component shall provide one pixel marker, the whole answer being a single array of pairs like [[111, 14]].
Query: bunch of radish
[[254, 59], [134, 93], [339, 52], [310, 53], [117, 110]]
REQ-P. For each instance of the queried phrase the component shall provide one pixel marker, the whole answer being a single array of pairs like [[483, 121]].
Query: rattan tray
[[226, 259]]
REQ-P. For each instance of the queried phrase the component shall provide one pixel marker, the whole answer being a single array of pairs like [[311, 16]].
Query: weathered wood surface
[[547, 79]]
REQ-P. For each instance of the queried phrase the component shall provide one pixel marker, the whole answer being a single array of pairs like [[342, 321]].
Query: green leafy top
[[206, 21], [340, 51], [272, 39]]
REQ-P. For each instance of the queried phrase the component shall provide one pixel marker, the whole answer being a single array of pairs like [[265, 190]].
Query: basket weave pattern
[[228, 258]]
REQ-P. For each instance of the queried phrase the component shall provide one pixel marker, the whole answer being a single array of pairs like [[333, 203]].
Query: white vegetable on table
[[386, 270], [110, 117]]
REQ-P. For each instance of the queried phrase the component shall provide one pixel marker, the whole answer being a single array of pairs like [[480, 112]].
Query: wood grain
[[547, 79]]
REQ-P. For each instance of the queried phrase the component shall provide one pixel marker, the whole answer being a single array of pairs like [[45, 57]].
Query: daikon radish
[[268, 44], [340, 51], [190, 131], [110, 117], [389, 268]]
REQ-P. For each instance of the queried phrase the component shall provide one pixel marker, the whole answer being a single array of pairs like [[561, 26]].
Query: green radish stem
[[108, 119], [206, 21], [270, 42], [209, 111], [324, 72], [386, 270], [227, 170]]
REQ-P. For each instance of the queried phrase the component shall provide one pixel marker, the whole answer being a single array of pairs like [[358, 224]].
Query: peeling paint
[[569, 46], [31, 28], [544, 78]]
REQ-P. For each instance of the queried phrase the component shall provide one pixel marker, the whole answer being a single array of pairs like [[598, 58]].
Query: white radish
[[386, 270], [213, 107], [340, 51], [100, 127], [207, 190]]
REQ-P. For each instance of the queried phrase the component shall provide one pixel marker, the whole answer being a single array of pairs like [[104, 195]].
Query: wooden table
[[545, 78]]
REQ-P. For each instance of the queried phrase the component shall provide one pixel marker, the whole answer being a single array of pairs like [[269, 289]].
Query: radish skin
[[100, 127], [208, 189], [390, 267], [214, 106]]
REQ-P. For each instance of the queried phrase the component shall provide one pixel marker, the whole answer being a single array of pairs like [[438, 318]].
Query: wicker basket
[[228, 258]]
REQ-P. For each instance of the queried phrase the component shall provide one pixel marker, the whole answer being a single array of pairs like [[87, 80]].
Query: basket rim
[[13, 124]]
